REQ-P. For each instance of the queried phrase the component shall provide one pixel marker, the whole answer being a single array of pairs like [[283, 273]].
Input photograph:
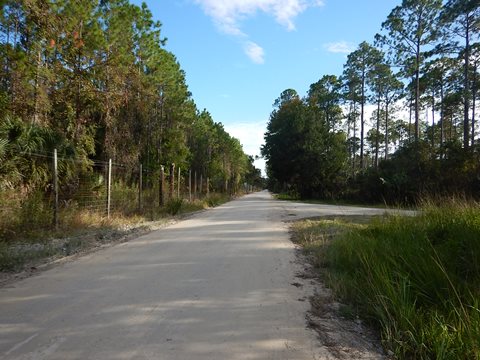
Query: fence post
[[55, 188], [161, 196], [195, 186], [190, 185], [201, 184], [109, 187], [208, 186], [179, 182], [140, 188], [172, 181]]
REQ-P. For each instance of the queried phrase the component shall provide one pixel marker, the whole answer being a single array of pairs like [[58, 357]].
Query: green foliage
[[95, 77], [400, 158], [415, 171], [26, 148], [303, 151]]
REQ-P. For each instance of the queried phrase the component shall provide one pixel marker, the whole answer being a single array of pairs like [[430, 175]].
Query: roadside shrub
[[36, 211], [216, 199], [173, 206]]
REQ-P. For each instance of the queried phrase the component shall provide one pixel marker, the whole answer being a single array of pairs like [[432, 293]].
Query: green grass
[[416, 278]]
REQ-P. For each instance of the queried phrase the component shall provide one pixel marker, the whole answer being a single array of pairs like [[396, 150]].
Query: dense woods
[[92, 78], [398, 124]]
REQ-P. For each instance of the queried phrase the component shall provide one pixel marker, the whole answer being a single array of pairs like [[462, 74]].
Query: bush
[[173, 206], [216, 199], [36, 211]]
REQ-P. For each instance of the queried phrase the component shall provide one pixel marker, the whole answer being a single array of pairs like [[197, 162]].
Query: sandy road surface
[[216, 286]]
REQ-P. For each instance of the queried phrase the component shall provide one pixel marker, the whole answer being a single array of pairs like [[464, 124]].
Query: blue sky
[[239, 55]]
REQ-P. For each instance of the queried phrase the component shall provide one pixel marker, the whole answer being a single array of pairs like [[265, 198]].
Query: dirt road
[[216, 286]]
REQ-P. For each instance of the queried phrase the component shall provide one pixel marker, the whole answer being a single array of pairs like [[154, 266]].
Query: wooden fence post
[[55, 188], [190, 185], [172, 181], [140, 188], [195, 186], [179, 182], [109, 187]]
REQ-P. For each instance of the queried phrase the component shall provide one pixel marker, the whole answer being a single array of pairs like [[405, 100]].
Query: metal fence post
[[140, 188], [109, 187], [55, 188]]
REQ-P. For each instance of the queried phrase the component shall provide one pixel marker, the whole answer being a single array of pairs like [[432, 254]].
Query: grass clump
[[173, 206], [216, 199], [418, 278]]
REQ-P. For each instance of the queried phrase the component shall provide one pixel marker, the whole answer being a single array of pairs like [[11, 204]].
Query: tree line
[[92, 78], [420, 76]]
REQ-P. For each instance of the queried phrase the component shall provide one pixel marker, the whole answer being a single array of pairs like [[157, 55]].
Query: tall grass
[[417, 278]]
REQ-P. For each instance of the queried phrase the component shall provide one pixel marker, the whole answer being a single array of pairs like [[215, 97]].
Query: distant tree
[[475, 79], [386, 89], [462, 18], [324, 96], [411, 33], [94, 77], [359, 64], [303, 154], [284, 138], [352, 96], [285, 97]]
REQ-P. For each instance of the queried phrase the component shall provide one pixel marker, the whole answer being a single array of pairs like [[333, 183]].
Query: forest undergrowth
[[28, 236]]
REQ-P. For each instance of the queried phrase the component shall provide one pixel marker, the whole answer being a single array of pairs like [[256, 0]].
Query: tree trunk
[[349, 129], [377, 137], [36, 90], [362, 122], [354, 135], [474, 95], [410, 120], [417, 93], [387, 103], [442, 121], [433, 119], [466, 102]]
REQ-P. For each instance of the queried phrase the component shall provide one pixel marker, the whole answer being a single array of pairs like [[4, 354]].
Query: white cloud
[[228, 15], [254, 52], [251, 138], [250, 135], [342, 47]]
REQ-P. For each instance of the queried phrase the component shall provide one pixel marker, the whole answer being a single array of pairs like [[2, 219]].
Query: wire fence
[[73, 187]]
